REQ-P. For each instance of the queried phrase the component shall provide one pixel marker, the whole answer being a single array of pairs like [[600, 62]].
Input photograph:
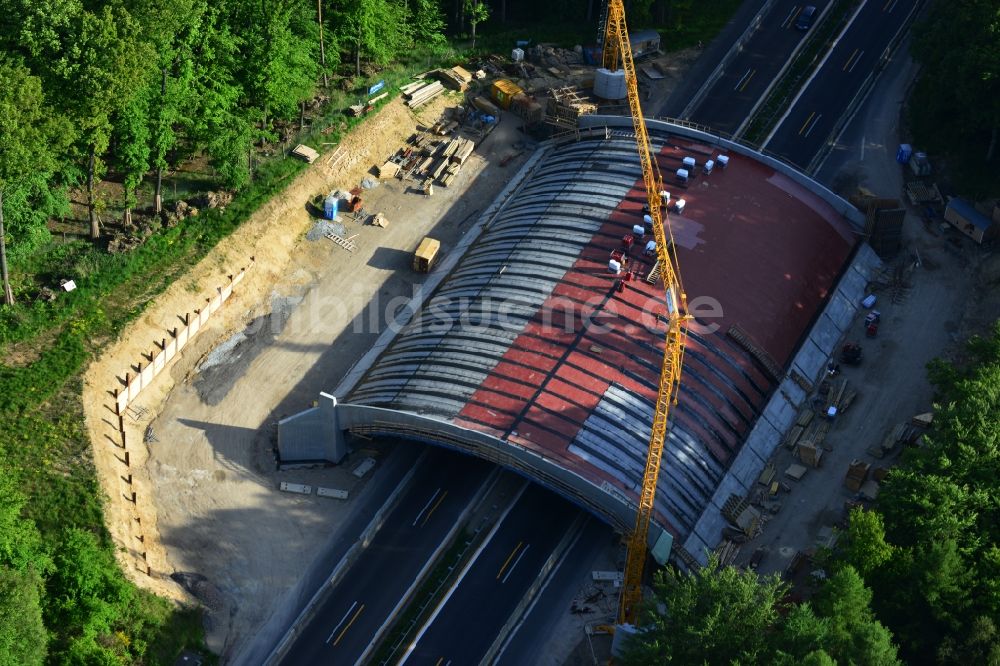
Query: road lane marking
[[417, 519], [461, 576], [889, 6], [808, 120], [509, 558], [353, 619], [849, 61], [342, 620], [815, 122], [514, 566], [742, 85], [434, 508], [856, 61], [787, 23]]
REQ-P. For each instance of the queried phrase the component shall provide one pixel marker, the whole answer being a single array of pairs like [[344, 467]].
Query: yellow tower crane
[[617, 50]]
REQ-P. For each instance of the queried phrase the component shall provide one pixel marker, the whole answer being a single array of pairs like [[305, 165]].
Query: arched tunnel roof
[[528, 341]]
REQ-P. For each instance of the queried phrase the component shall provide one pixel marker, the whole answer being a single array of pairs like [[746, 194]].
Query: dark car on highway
[[806, 17]]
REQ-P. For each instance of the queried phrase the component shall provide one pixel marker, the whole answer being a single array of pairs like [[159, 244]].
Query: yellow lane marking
[[745, 83], [434, 508], [806, 123], [849, 60], [509, 558], [360, 608]]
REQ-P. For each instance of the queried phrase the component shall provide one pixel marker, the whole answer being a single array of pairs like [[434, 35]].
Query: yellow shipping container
[[504, 91]]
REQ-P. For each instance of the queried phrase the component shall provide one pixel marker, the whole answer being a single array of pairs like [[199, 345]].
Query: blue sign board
[[375, 88]]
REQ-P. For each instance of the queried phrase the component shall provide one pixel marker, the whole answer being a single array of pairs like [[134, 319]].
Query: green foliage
[[963, 124], [22, 633], [428, 23], [476, 12], [375, 30], [853, 635], [866, 548], [724, 615], [29, 140], [717, 615]]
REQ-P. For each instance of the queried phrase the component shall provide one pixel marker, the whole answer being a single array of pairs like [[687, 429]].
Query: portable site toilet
[[330, 205]]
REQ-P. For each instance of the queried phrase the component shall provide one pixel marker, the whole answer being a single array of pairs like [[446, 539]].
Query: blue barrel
[[904, 152], [330, 207]]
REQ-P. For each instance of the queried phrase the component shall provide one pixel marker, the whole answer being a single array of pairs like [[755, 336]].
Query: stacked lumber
[[464, 151], [409, 88], [388, 170], [857, 472], [840, 397], [449, 173], [425, 93], [304, 152], [809, 454], [727, 552], [900, 433], [455, 78]]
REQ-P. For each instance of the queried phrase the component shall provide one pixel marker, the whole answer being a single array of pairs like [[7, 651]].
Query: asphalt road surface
[[362, 601], [812, 118], [471, 618], [557, 596], [731, 98]]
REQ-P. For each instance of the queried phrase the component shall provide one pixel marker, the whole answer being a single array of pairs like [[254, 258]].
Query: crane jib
[[617, 50]]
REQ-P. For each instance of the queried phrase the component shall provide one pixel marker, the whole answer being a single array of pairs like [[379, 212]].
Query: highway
[[746, 78], [557, 595], [351, 615], [806, 127], [465, 626]]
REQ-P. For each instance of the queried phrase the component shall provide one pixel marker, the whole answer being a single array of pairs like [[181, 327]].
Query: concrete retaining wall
[[166, 349]]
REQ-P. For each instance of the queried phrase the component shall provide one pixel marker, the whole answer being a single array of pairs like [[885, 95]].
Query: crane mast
[[617, 49]]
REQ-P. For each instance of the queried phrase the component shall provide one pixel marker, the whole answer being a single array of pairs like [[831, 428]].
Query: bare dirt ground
[[207, 505]]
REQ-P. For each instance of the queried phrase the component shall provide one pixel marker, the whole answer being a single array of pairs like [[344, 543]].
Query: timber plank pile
[[428, 157], [420, 92]]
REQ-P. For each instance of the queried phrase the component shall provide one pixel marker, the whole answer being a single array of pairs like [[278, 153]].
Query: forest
[[110, 111]]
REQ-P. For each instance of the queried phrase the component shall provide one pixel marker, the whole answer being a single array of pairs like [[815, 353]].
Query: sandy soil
[[207, 507]]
